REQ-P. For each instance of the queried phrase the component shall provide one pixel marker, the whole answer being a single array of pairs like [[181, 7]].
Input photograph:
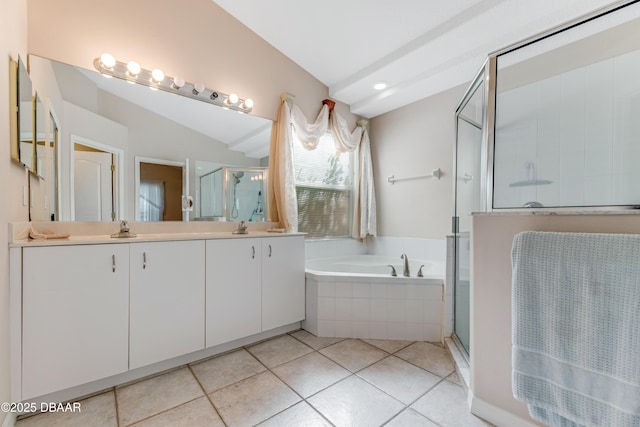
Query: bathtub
[[356, 297]]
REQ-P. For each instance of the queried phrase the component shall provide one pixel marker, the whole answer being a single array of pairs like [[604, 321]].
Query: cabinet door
[[167, 300], [233, 289], [75, 315], [282, 281]]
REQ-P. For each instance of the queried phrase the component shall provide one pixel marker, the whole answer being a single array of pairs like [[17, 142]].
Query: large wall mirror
[[567, 132], [103, 124]]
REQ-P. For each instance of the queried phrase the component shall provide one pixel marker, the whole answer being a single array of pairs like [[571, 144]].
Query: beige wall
[[412, 141], [491, 293], [13, 42]]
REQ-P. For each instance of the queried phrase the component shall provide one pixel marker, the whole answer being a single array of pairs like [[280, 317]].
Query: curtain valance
[[283, 202]]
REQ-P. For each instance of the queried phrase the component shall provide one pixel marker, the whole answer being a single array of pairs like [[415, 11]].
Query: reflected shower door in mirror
[[139, 121], [567, 107], [234, 194]]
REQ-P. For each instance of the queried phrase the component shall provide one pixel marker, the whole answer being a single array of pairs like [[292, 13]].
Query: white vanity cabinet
[[283, 296], [75, 316], [96, 313], [234, 300], [253, 285], [167, 291]]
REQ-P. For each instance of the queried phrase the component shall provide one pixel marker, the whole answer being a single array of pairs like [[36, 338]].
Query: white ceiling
[[419, 47]]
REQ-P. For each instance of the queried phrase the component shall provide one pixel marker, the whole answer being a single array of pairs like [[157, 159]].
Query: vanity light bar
[[156, 79]]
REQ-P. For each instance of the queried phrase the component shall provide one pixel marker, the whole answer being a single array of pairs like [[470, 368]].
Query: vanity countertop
[[81, 233]]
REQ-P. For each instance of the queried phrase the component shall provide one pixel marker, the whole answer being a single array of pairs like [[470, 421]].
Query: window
[[151, 201], [324, 184]]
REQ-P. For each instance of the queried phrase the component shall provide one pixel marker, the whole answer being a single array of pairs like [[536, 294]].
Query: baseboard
[[495, 415], [10, 420], [462, 366], [134, 375]]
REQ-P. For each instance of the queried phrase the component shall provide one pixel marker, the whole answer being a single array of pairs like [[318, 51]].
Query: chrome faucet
[[393, 270], [124, 231], [405, 269], [242, 228]]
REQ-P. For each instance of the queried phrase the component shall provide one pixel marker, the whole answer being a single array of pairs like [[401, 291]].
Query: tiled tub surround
[[378, 306], [355, 297], [394, 308], [415, 248]]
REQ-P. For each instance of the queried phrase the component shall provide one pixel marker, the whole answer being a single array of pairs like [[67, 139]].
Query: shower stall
[[234, 194], [548, 124], [471, 163]]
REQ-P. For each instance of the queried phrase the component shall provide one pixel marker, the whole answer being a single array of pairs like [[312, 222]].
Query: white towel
[[576, 327]]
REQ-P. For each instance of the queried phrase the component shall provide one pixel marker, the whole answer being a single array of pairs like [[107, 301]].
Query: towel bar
[[437, 173]]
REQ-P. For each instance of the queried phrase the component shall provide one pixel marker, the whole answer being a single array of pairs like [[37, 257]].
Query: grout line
[[303, 399], [161, 412], [115, 402], [295, 358], [316, 349], [206, 395]]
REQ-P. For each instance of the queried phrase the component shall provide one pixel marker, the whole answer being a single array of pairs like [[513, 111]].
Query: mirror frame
[[20, 115], [14, 124]]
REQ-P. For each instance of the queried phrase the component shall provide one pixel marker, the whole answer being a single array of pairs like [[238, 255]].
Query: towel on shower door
[[576, 327]]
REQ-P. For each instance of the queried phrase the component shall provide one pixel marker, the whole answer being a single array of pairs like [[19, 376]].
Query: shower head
[[237, 176]]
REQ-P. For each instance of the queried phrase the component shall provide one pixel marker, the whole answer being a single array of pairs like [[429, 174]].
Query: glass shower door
[[468, 199]]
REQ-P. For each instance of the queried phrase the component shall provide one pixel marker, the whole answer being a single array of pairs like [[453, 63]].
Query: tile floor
[[295, 379]]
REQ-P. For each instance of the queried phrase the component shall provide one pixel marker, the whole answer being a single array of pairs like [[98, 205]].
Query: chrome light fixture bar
[[156, 79]]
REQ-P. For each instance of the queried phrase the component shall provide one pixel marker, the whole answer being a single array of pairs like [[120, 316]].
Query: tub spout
[[393, 270], [405, 269]]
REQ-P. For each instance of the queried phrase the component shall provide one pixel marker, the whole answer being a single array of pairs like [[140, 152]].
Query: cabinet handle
[[113, 263], [253, 252], [144, 260], [269, 251]]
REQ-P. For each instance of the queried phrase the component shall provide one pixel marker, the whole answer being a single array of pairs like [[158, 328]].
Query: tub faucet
[[393, 270], [405, 269]]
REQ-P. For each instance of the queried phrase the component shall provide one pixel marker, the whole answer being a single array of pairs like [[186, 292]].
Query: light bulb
[[134, 68], [107, 60], [197, 88], [248, 103], [178, 82], [157, 75], [232, 99]]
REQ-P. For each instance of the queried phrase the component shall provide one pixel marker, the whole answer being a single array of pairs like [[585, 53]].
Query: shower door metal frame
[[485, 75]]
